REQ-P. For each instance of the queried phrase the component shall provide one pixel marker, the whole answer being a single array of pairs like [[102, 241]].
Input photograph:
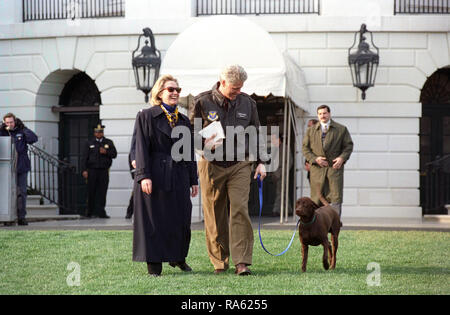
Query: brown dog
[[315, 224]]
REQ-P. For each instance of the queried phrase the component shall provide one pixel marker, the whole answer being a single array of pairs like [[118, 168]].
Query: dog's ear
[[314, 206], [298, 205], [309, 205]]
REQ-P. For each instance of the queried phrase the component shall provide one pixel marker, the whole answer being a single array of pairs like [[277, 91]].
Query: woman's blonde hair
[[159, 87]]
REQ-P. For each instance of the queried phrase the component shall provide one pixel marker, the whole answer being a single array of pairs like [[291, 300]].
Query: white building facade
[[39, 58]]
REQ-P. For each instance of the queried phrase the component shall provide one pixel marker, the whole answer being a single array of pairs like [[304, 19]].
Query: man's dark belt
[[224, 164]]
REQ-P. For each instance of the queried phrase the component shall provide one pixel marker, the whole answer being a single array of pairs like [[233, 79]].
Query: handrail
[[437, 190], [237, 7], [53, 179], [441, 162], [38, 10], [421, 7]]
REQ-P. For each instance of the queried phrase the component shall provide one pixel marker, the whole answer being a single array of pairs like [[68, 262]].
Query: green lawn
[[35, 262]]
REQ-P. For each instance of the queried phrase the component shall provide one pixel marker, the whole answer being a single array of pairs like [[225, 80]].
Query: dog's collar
[[309, 223]]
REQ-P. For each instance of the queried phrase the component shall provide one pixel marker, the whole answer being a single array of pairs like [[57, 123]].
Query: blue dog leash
[[260, 186]]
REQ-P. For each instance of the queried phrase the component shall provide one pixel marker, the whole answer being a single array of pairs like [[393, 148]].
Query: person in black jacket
[[22, 136], [163, 184], [132, 166], [97, 159]]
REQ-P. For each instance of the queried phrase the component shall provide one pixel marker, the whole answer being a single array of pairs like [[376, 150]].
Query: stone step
[[43, 217], [37, 212], [444, 218], [50, 210], [33, 200]]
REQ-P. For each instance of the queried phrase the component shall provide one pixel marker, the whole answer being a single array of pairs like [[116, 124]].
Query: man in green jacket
[[326, 147]]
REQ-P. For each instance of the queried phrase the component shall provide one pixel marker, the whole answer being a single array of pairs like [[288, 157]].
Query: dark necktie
[[324, 132]]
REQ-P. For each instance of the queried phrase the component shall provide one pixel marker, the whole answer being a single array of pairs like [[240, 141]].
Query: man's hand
[[194, 190], [307, 166], [103, 150], [261, 170], [146, 186], [337, 163], [85, 174], [210, 144], [322, 161]]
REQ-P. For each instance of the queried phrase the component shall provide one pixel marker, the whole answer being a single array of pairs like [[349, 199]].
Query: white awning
[[199, 53]]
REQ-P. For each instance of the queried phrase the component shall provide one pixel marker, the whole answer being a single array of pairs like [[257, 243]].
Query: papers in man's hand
[[213, 128]]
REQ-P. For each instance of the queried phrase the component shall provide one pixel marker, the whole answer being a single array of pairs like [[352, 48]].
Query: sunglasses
[[172, 89]]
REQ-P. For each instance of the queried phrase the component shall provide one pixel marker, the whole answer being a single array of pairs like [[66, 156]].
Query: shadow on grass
[[390, 270]]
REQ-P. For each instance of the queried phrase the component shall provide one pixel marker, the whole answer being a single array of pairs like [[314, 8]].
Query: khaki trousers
[[228, 228]]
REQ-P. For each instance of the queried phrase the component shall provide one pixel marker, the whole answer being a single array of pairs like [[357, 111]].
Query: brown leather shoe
[[242, 270], [219, 271]]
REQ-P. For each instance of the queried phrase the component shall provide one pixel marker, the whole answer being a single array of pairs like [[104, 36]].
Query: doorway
[[271, 112], [79, 114], [435, 142]]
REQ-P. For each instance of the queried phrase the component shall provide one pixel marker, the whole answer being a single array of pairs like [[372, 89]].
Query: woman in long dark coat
[[162, 222]]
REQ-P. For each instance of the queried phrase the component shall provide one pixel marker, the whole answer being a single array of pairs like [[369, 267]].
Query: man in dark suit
[[97, 159], [22, 136]]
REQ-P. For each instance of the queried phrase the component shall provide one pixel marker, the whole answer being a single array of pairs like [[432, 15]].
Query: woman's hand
[[146, 186], [194, 190]]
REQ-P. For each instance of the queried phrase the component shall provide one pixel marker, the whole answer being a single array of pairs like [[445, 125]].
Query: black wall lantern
[[364, 62], [146, 65]]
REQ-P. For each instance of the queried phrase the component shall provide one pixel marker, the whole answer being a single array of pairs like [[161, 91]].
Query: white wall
[[33, 73], [10, 11], [381, 178], [144, 9], [369, 8]]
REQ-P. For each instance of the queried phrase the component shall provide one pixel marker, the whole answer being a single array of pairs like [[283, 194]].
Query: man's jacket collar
[[217, 96], [319, 126]]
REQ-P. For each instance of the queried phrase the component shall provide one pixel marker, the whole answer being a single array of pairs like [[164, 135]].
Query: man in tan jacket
[[326, 147], [225, 178]]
